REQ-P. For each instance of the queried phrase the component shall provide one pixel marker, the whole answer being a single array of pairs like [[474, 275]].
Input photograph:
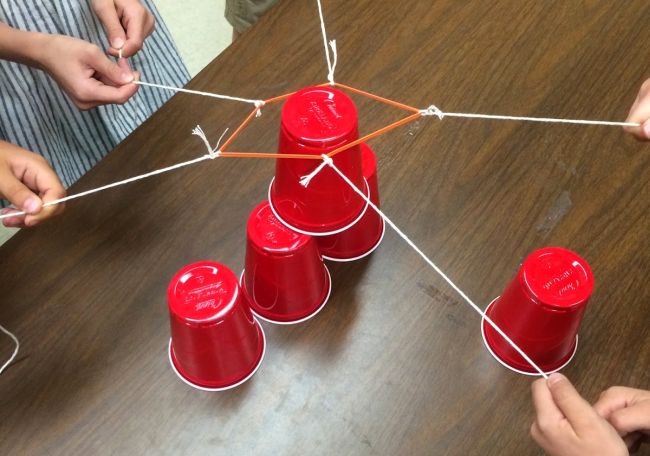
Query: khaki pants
[[242, 14]]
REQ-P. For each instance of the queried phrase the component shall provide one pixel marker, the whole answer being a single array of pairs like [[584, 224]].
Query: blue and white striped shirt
[[37, 115]]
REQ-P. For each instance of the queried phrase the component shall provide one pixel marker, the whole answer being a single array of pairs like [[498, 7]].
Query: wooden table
[[395, 363]]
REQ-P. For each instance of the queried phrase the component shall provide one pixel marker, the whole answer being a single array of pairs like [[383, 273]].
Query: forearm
[[21, 46]]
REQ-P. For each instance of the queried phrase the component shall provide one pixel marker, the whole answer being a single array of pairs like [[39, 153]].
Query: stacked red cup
[[540, 311], [216, 343], [362, 238], [316, 121], [284, 278]]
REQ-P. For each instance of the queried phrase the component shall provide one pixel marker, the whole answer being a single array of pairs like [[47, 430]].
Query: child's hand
[[640, 113], [23, 173], [85, 73], [567, 425], [127, 24], [628, 410]]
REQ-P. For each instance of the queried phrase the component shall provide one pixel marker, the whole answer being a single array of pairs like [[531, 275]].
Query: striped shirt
[[37, 115]]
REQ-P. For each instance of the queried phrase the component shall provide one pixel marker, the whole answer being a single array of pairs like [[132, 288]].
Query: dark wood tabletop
[[395, 363]]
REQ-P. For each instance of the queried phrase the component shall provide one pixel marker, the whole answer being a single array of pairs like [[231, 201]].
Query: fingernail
[[117, 43], [646, 129], [555, 378], [127, 77], [31, 206]]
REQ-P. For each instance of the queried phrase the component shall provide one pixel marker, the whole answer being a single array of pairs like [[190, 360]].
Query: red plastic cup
[[362, 238], [285, 278], [216, 343], [316, 121], [541, 310]]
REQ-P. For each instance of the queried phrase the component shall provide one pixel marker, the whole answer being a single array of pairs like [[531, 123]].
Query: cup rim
[[319, 234], [227, 387], [363, 255], [291, 322], [534, 373]]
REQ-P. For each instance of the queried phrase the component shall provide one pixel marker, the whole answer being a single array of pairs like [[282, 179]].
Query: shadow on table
[[326, 334]]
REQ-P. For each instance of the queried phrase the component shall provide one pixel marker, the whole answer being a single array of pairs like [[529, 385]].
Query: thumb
[[109, 70], [19, 194], [108, 15], [577, 411], [631, 419]]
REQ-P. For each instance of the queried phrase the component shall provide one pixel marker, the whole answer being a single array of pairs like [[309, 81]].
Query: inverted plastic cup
[[285, 278], [362, 238], [541, 310], [216, 343], [316, 121]]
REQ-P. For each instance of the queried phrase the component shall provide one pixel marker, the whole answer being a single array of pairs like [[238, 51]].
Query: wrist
[[23, 47]]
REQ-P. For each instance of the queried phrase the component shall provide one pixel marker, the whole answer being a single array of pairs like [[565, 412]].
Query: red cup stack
[[540, 311], [216, 343]]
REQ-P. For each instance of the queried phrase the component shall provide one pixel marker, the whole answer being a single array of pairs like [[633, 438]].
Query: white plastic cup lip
[[225, 388], [292, 322], [363, 255], [514, 369], [311, 233]]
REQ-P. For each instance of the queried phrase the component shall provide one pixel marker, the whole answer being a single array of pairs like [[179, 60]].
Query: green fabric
[[242, 14]]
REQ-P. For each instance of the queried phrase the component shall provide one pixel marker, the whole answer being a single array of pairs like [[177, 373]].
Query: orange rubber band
[[375, 134], [372, 96]]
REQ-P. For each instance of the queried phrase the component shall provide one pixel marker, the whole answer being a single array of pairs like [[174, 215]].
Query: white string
[[14, 354], [434, 111], [198, 131], [331, 67], [305, 180], [327, 160], [258, 103]]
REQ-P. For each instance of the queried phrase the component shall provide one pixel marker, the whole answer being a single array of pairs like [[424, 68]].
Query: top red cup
[[316, 121]]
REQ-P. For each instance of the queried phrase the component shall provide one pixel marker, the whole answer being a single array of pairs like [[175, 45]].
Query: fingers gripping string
[[198, 131]]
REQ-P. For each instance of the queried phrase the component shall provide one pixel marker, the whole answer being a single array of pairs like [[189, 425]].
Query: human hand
[[628, 411], [640, 113], [127, 24], [85, 73], [23, 173], [567, 425]]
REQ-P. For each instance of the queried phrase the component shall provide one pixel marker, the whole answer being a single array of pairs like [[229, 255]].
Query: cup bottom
[[205, 387], [363, 255], [301, 319], [313, 233], [517, 367]]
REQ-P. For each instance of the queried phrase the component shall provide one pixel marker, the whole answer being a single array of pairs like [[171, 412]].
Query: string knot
[[433, 110], [332, 67], [327, 160], [212, 152], [305, 180], [258, 105]]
